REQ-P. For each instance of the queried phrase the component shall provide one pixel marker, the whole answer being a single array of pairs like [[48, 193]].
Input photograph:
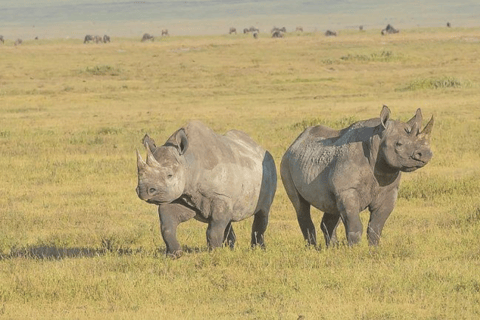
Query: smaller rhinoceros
[[216, 179], [345, 172]]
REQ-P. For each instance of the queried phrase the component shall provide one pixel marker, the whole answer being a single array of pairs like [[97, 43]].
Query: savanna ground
[[76, 242]]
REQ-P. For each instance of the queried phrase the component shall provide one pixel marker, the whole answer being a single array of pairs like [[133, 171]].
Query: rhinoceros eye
[[152, 190], [399, 143], [170, 176]]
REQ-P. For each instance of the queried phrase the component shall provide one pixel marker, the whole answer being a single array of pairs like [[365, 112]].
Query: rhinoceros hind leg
[[258, 228], [329, 226]]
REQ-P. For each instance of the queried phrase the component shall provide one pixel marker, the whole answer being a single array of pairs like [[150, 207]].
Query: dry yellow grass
[[76, 242]]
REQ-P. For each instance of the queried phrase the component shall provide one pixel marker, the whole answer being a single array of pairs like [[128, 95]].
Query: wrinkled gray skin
[[344, 172], [213, 178]]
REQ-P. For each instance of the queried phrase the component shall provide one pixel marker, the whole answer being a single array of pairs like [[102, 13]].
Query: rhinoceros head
[[162, 177], [404, 146]]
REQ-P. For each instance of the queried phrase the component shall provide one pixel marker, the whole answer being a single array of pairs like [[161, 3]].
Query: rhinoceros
[[343, 172], [216, 179]]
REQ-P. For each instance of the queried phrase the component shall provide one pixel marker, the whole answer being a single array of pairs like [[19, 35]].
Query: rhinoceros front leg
[[329, 227], [349, 207], [216, 232], [171, 215], [378, 217], [229, 236]]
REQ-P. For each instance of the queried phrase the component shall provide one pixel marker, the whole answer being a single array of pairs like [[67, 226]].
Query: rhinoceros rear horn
[[151, 161], [140, 163], [428, 129], [384, 116], [416, 122], [182, 141]]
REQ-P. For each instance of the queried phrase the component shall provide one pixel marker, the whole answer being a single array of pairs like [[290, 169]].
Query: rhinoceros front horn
[[140, 163], [428, 129], [151, 161]]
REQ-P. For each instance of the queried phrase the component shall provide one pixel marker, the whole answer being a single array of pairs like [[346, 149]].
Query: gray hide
[[344, 172], [213, 178]]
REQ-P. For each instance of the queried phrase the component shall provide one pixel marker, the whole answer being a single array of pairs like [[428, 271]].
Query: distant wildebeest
[[98, 39], [246, 30], [360, 28], [164, 32], [343, 172], [18, 42], [1, 39], [147, 36], [255, 35], [299, 29], [448, 25], [106, 38], [330, 33], [277, 34], [253, 29], [36, 38], [88, 38], [389, 30], [232, 30], [216, 179]]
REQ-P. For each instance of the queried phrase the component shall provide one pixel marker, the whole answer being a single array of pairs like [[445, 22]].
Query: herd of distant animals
[[276, 33]]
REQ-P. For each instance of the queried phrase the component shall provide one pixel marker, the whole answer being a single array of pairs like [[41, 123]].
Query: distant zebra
[[232, 30], [1, 39], [329, 33], [246, 30], [282, 29], [165, 32], [147, 36], [18, 42], [277, 34], [299, 29], [106, 38], [88, 38]]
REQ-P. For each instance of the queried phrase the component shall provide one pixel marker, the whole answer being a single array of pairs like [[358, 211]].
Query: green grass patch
[[436, 83]]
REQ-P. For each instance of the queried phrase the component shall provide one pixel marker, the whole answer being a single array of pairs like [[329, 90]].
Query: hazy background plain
[[75, 18]]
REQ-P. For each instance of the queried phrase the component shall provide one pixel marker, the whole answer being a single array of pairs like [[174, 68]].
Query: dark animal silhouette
[[448, 24], [88, 38], [343, 172], [283, 29], [1, 39], [147, 37], [98, 39], [18, 42], [389, 30], [255, 35], [253, 29], [299, 29], [277, 34], [165, 32], [330, 33], [36, 38], [360, 28], [216, 179], [232, 30], [106, 38], [246, 30]]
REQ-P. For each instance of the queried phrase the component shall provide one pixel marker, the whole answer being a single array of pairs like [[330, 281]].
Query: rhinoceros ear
[[181, 141], [416, 122], [140, 163], [151, 143], [427, 130], [384, 116]]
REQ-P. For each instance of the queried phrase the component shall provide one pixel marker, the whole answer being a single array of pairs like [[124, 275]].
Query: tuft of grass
[[102, 70], [383, 56], [436, 83]]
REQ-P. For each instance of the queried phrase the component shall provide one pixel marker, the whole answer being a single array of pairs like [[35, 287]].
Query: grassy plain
[[76, 242]]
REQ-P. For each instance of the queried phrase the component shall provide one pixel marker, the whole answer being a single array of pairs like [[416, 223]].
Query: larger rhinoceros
[[216, 179], [344, 172]]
